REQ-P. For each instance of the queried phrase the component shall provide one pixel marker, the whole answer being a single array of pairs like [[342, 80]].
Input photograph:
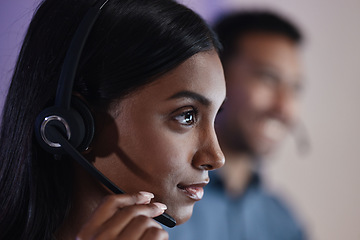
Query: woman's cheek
[[166, 150], [171, 151]]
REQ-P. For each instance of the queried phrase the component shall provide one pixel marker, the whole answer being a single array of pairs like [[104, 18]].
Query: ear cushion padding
[[88, 121]]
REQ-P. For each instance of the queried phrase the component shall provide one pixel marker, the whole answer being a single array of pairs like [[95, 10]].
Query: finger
[[109, 206], [155, 234], [137, 227], [122, 218], [112, 203]]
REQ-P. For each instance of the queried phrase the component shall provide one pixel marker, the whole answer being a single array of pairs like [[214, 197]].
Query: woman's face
[[161, 138]]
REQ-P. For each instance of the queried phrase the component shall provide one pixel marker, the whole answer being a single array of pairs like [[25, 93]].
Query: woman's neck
[[87, 195]]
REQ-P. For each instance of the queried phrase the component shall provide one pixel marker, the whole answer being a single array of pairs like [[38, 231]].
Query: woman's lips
[[194, 191]]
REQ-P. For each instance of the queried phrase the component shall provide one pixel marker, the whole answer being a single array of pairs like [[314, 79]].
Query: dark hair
[[232, 27], [131, 43]]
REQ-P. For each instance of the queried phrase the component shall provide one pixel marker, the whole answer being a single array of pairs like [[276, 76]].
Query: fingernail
[[144, 198], [161, 206], [147, 194]]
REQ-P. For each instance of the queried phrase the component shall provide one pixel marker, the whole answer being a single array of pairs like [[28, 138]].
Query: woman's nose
[[209, 155]]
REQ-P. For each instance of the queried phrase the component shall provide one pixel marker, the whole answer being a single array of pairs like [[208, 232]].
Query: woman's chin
[[181, 214]]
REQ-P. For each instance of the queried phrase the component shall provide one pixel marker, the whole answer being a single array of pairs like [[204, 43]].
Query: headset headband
[[73, 54]]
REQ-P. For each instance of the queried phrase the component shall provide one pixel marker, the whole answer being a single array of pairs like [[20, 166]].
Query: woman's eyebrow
[[195, 96]]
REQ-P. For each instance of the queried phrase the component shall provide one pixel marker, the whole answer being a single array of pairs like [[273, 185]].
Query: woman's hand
[[127, 217]]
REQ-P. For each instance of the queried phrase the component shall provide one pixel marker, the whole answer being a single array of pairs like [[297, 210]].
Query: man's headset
[[68, 126]]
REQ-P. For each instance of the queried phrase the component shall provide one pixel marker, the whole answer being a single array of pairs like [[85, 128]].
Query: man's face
[[263, 82]]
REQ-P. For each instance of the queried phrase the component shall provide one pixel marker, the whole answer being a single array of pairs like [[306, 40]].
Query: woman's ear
[[106, 135]]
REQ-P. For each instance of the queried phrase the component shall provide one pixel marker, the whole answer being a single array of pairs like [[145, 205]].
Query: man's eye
[[186, 118], [267, 77]]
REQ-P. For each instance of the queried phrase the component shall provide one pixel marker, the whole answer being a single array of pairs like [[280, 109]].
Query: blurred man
[[263, 77]]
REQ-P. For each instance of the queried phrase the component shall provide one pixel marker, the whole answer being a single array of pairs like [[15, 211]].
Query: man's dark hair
[[232, 27]]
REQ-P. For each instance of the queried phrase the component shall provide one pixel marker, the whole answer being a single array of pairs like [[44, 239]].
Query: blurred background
[[323, 185]]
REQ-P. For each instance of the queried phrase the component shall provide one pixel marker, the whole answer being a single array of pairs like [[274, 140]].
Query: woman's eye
[[186, 118]]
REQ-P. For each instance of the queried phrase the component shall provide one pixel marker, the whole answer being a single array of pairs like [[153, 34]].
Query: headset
[[68, 126]]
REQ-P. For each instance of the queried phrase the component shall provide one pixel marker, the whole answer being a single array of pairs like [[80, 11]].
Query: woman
[[151, 77]]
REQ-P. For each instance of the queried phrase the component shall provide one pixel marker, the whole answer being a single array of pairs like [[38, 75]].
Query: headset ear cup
[[81, 107], [76, 125], [69, 123]]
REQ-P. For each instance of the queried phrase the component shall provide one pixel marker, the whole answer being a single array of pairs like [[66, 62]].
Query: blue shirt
[[255, 215]]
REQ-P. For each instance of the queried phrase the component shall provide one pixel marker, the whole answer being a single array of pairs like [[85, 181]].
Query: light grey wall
[[324, 185]]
